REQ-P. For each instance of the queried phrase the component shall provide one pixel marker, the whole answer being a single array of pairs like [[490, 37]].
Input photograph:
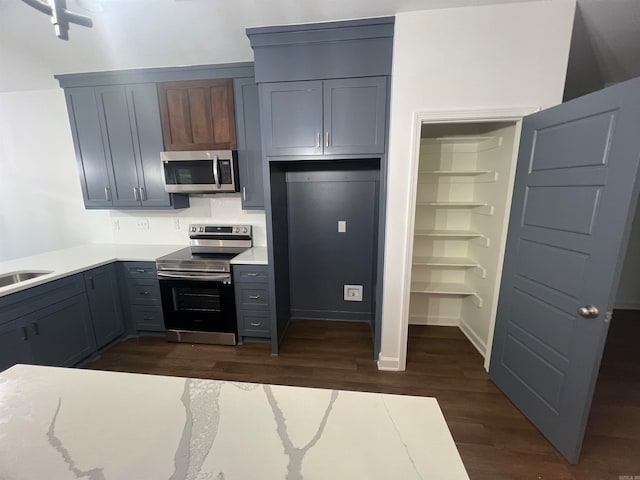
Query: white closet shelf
[[450, 262], [465, 143], [436, 288], [427, 177], [445, 261], [453, 173], [447, 233], [480, 207]]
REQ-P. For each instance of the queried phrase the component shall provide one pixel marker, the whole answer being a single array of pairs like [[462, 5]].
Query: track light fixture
[[60, 16]]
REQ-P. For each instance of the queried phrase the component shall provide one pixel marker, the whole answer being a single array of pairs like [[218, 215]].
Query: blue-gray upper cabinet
[[87, 140], [104, 301], [292, 118], [344, 116], [118, 139], [249, 142], [355, 115]]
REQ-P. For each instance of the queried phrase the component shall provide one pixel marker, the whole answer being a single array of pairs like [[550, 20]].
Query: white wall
[[458, 59], [41, 205]]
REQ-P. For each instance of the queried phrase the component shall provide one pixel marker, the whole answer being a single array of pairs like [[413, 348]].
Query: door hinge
[[608, 316]]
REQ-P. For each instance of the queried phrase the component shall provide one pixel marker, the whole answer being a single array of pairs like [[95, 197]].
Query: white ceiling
[[148, 33]]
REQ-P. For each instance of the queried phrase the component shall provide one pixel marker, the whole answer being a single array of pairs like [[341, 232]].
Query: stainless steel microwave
[[203, 171]]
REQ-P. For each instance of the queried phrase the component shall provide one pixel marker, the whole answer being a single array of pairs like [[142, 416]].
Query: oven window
[[194, 299], [192, 172]]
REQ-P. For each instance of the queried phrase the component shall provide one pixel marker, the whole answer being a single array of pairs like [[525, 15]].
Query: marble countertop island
[[59, 424]]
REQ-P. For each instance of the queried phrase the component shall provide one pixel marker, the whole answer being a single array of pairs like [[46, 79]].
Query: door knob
[[588, 311]]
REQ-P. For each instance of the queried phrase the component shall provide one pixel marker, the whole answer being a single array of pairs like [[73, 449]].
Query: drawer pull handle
[[145, 292], [147, 319], [140, 270], [36, 328], [25, 334], [254, 324], [254, 297], [250, 274]]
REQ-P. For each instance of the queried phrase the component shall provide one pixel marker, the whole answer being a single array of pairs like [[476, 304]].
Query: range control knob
[[201, 229], [193, 229], [237, 230], [245, 230]]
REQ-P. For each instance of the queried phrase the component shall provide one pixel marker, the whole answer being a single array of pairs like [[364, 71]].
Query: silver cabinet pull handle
[[318, 140], [141, 270], [254, 297], [36, 328], [142, 194], [253, 324], [144, 292], [25, 334], [252, 274], [107, 194], [136, 196], [326, 138], [91, 284], [244, 193]]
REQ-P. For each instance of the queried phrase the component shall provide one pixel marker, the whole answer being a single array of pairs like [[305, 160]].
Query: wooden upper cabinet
[[198, 115]]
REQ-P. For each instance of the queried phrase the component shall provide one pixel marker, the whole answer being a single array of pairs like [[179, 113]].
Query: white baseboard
[[389, 363], [627, 304], [475, 340], [434, 320]]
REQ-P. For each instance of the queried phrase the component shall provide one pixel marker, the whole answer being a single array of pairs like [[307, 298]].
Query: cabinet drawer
[[254, 323], [250, 273], [252, 295], [143, 292], [140, 270], [147, 319]]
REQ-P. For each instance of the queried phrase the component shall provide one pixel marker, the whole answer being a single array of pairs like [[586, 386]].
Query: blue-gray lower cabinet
[[141, 293], [104, 301], [61, 334], [251, 290], [14, 344], [249, 142]]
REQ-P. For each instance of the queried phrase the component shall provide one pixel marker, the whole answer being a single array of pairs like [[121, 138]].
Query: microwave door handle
[[216, 178]]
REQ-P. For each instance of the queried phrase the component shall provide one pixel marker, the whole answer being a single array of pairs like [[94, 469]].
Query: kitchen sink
[[17, 277]]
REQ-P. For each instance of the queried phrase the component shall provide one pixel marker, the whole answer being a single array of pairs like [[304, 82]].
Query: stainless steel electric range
[[196, 285]]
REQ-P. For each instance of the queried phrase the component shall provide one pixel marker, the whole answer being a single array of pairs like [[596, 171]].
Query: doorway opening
[[463, 196], [325, 221]]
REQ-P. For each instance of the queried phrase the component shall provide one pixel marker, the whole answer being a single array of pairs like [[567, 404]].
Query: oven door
[[195, 305]]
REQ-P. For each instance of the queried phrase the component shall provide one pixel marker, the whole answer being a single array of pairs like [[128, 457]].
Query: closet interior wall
[[462, 203]]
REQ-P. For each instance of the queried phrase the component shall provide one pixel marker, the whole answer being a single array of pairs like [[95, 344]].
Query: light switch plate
[[353, 293], [142, 224], [342, 226]]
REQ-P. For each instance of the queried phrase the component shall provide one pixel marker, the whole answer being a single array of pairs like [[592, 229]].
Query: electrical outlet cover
[[353, 293]]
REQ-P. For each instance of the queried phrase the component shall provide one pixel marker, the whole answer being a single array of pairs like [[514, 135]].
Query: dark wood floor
[[494, 439]]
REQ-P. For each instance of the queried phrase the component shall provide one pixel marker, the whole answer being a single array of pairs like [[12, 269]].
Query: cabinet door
[[292, 118], [61, 334], [249, 142], [14, 345], [198, 114], [147, 133], [104, 302], [119, 143], [355, 115], [87, 140]]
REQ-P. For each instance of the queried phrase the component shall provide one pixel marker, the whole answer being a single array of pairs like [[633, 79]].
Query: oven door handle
[[226, 278]]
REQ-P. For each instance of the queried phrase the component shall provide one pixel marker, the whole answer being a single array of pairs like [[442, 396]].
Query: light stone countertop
[[65, 262], [61, 424], [68, 261], [252, 256]]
